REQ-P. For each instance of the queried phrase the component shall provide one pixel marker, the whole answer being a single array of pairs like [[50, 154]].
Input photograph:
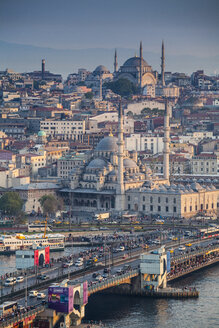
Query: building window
[[151, 199], [143, 207], [212, 205], [190, 208], [128, 197], [166, 200], [167, 208], [143, 198], [151, 208], [174, 200], [174, 209], [206, 206], [158, 199], [196, 207], [159, 208], [129, 206], [201, 206], [185, 209]]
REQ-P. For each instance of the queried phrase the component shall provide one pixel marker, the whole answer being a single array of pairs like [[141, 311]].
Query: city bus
[[7, 307]]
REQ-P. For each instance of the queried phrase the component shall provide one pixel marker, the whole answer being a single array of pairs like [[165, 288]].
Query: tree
[[11, 203], [123, 87], [50, 204], [89, 95]]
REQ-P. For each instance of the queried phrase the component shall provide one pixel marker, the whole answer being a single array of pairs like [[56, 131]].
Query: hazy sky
[[187, 26]]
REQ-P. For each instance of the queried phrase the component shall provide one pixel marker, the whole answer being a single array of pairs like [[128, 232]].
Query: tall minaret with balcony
[[120, 192]]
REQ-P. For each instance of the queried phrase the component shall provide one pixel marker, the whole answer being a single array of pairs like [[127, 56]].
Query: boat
[[10, 243]]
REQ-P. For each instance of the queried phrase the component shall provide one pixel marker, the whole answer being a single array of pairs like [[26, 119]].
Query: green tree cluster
[[11, 203], [50, 204], [89, 95], [122, 87]]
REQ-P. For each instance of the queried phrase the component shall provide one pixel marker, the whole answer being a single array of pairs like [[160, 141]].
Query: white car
[[10, 281], [181, 248], [20, 279], [79, 263], [41, 295], [33, 293]]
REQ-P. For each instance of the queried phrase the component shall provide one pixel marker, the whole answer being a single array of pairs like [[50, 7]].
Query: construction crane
[[44, 235]]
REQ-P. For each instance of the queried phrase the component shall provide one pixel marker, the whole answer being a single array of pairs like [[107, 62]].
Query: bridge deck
[[113, 282], [11, 322]]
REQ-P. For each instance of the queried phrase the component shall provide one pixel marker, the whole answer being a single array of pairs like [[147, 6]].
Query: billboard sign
[[36, 257], [85, 292], [47, 255], [168, 262], [60, 299]]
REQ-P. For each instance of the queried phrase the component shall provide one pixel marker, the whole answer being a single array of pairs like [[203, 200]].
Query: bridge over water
[[152, 271]]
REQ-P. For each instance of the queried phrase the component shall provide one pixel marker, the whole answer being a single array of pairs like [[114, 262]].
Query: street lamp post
[[26, 291]]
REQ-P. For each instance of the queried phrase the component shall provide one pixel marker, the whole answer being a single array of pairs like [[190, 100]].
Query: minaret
[[115, 62], [120, 195], [100, 91], [166, 149], [141, 64], [162, 65], [43, 69]]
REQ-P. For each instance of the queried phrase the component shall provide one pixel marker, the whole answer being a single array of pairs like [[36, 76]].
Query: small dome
[[113, 172], [107, 144], [196, 186], [129, 163], [97, 163], [41, 134], [99, 70]]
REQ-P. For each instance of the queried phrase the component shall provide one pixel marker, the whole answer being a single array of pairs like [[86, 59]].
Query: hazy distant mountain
[[25, 58]]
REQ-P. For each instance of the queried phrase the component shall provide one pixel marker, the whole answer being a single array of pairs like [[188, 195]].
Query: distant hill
[[26, 58]]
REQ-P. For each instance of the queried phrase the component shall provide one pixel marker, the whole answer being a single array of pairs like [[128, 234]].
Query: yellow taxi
[[171, 250], [188, 245], [174, 238]]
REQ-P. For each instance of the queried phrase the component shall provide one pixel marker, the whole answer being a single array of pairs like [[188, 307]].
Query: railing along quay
[[189, 270], [182, 258], [10, 322]]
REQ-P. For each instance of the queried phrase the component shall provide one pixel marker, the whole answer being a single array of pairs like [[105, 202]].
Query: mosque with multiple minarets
[[114, 180]]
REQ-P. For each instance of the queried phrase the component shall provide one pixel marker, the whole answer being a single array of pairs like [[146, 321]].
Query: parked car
[[181, 248], [20, 279], [79, 263], [10, 281], [33, 293], [42, 277], [67, 264], [41, 295]]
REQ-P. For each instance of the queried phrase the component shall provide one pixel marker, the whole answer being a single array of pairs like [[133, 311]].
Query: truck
[[101, 216]]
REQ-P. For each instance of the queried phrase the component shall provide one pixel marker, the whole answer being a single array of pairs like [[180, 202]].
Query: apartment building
[[63, 129]]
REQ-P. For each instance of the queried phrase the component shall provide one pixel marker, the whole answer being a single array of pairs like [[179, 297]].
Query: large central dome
[[107, 144], [135, 62]]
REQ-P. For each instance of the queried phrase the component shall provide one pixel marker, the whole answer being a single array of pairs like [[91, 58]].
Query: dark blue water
[[136, 312]]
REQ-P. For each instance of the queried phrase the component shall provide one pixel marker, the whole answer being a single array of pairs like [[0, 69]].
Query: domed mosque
[[114, 180], [110, 171], [136, 70]]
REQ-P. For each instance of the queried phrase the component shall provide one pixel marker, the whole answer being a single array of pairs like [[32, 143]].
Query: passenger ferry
[[11, 243]]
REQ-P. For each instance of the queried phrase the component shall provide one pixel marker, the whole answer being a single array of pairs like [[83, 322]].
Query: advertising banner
[[47, 255], [58, 299], [85, 292], [36, 257], [168, 262], [70, 299]]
